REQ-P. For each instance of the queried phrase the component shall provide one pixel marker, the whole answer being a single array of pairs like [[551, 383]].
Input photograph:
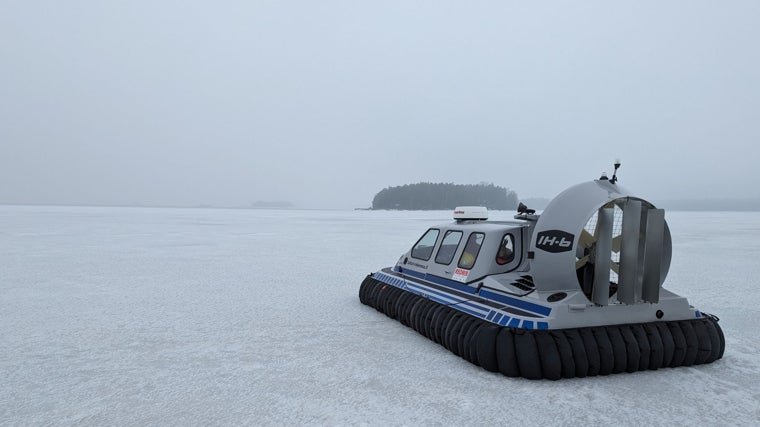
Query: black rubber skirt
[[551, 354]]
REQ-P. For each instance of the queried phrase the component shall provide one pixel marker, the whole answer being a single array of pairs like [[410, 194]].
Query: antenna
[[614, 174]]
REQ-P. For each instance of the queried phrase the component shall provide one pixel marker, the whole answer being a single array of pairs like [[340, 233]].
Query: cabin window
[[471, 250], [506, 252], [423, 249], [448, 247]]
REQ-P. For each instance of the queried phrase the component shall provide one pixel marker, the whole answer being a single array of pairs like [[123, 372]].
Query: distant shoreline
[[727, 205], [73, 205]]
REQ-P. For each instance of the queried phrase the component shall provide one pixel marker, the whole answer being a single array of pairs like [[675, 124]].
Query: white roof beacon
[[467, 213]]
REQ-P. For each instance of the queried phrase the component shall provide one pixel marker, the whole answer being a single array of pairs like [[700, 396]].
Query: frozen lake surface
[[141, 316]]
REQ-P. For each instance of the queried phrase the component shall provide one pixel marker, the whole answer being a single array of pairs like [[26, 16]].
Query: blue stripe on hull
[[511, 301], [468, 306]]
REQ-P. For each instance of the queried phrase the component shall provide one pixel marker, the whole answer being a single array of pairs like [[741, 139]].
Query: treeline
[[437, 196]]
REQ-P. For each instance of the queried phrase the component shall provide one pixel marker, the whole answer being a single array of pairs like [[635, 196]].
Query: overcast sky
[[324, 103]]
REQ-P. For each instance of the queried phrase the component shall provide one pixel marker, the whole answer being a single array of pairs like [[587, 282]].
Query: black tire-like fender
[[371, 288], [631, 348], [655, 342], [429, 328], [714, 321], [485, 346], [468, 346], [551, 354], [714, 340], [425, 317], [565, 353], [459, 342], [448, 325], [382, 297], [506, 354], [440, 320], [363, 289], [592, 351], [528, 358], [390, 308], [645, 349], [414, 311], [419, 307], [619, 351], [401, 305], [376, 294], [668, 346], [606, 354], [411, 311], [451, 330], [692, 343], [387, 297], [679, 344], [580, 359], [372, 285], [551, 364], [704, 349], [472, 344]]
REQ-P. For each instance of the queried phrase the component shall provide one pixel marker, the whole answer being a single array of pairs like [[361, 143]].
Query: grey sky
[[325, 103]]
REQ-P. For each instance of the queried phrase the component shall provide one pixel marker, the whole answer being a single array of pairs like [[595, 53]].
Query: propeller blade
[[602, 260], [586, 239], [629, 280], [652, 275], [616, 242], [581, 262], [615, 266]]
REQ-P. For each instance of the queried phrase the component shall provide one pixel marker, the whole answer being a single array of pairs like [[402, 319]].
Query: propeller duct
[[620, 253]]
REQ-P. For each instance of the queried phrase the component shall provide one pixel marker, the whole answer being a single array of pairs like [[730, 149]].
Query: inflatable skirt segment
[[551, 354]]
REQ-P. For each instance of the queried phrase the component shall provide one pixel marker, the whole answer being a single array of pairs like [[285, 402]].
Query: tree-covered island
[[444, 196]]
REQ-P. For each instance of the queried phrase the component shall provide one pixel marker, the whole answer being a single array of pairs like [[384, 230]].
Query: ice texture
[[146, 316]]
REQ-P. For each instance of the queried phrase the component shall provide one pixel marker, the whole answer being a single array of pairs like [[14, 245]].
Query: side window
[[471, 249], [423, 249], [448, 247], [506, 251]]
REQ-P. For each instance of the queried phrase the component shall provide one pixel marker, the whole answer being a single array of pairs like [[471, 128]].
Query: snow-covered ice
[[142, 316]]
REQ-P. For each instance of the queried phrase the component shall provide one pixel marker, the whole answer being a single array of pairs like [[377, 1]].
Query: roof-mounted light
[[464, 213]]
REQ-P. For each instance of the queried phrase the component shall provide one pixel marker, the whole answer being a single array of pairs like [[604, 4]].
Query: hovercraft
[[573, 292]]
